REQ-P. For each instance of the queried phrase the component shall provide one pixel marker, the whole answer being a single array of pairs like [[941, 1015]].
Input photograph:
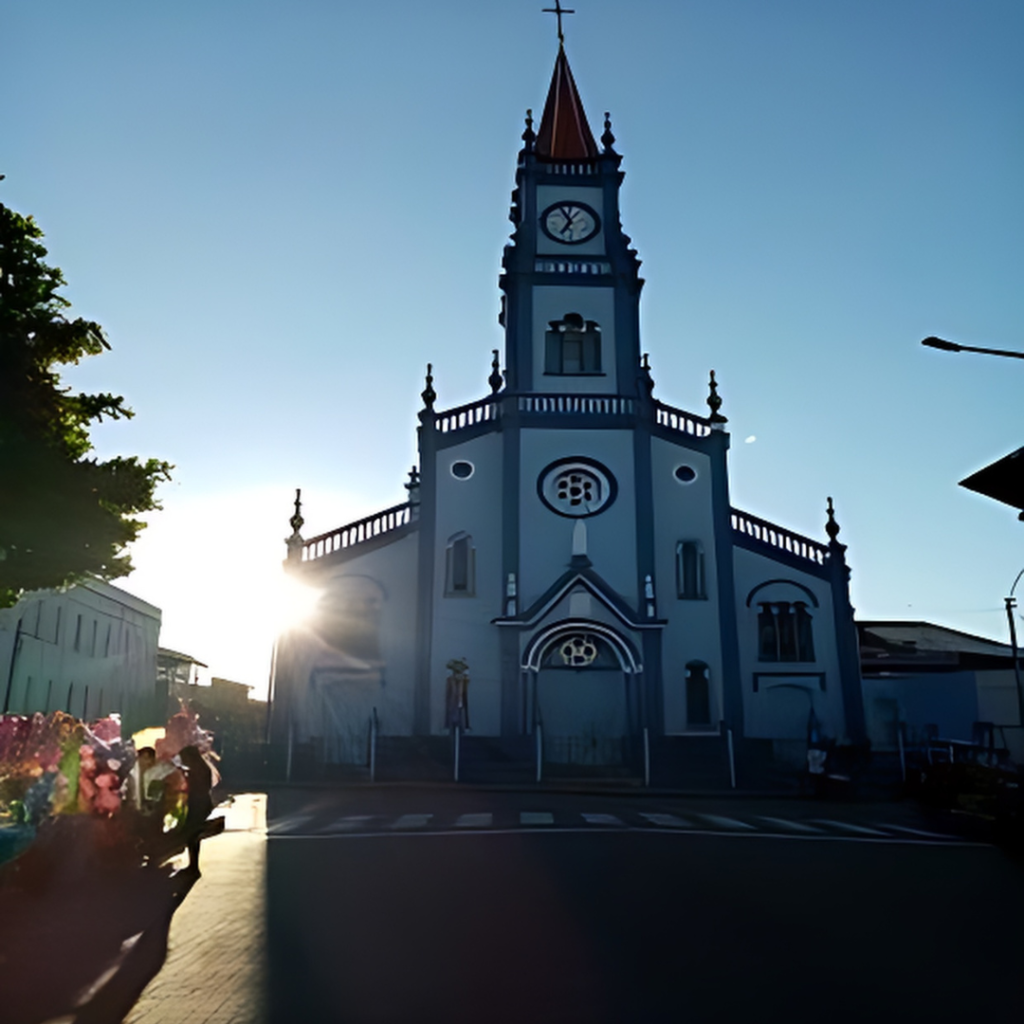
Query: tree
[[63, 515]]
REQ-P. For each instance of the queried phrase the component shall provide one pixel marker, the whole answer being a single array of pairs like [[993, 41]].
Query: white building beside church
[[570, 536]]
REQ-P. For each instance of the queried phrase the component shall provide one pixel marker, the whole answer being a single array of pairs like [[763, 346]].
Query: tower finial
[[428, 394], [295, 543], [831, 527], [558, 10], [607, 139], [715, 402], [529, 135], [495, 379]]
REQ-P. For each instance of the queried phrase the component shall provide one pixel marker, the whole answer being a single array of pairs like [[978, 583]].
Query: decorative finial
[[428, 394], [412, 485], [295, 543], [296, 522], [607, 140], [558, 10], [645, 373], [715, 401], [495, 379], [831, 527], [529, 136]]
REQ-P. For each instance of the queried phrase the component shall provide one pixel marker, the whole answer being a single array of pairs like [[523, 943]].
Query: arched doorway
[[583, 679]]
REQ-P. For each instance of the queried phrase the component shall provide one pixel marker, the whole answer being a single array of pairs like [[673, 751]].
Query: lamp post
[[1011, 603], [952, 346]]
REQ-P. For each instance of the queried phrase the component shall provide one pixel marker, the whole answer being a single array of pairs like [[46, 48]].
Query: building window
[[460, 567], [572, 347], [462, 470], [784, 632], [576, 487], [78, 633], [698, 695], [690, 570]]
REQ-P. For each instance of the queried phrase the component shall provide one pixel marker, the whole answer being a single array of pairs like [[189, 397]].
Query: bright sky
[[281, 211]]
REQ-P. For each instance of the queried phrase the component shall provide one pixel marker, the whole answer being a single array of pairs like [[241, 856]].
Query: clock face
[[570, 223]]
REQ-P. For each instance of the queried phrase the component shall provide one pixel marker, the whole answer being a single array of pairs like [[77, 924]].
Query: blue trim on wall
[[847, 645], [425, 574], [732, 688], [511, 679]]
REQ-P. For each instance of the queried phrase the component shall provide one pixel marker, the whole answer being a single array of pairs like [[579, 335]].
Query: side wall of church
[[779, 695], [683, 513], [462, 621], [546, 537], [356, 653]]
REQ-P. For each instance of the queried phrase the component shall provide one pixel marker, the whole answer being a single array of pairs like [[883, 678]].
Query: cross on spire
[[558, 10]]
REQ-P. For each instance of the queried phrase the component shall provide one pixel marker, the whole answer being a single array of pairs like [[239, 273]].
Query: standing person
[[200, 804]]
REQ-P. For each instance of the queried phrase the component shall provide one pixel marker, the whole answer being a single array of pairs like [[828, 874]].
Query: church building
[[568, 543]]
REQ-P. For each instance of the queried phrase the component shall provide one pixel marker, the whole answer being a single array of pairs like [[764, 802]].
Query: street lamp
[[1011, 603], [952, 346]]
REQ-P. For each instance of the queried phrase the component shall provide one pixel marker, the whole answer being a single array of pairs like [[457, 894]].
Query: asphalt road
[[462, 905]]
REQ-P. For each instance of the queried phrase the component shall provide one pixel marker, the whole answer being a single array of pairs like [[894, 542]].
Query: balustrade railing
[[594, 405], [358, 532], [777, 537], [684, 422], [467, 415]]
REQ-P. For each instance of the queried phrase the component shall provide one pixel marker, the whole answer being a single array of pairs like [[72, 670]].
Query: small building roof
[[166, 652]]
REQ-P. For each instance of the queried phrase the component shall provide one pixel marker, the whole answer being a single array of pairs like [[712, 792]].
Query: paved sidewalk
[[216, 965]]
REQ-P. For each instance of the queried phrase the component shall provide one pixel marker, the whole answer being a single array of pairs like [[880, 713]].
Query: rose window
[[578, 651], [576, 487]]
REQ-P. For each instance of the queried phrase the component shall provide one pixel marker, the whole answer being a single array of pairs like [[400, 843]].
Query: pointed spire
[[428, 394], [564, 132], [495, 379], [529, 135], [715, 403]]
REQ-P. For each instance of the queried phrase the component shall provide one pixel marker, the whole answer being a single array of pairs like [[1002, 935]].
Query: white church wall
[[357, 652], [786, 691], [552, 302], [593, 197], [462, 624], [683, 512], [546, 537]]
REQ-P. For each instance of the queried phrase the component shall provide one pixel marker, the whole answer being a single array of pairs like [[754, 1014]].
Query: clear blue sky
[[281, 212]]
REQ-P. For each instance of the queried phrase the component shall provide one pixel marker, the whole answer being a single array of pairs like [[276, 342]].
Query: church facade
[[568, 543]]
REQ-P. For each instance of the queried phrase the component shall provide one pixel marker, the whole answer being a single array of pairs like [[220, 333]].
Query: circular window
[[576, 487], [578, 651], [685, 474], [462, 470]]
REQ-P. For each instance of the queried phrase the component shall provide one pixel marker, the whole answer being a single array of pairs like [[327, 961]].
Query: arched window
[[460, 566], [690, 570], [785, 632], [698, 695], [572, 346]]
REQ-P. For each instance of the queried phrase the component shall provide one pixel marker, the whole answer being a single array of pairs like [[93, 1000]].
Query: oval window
[[462, 470], [685, 474]]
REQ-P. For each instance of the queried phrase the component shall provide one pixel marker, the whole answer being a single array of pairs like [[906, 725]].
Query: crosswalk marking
[[917, 832], [729, 823], [536, 818], [407, 821], [846, 826], [484, 820], [601, 819], [791, 826], [289, 824], [349, 823], [667, 821]]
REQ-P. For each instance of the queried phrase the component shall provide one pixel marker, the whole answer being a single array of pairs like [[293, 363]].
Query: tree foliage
[[63, 514]]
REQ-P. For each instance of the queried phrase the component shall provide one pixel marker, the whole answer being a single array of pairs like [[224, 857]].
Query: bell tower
[[570, 282]]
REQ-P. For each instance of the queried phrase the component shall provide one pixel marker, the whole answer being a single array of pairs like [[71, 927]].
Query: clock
[[570, 222]]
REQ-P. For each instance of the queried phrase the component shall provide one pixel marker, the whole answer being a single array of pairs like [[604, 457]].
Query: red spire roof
[[564, 133]]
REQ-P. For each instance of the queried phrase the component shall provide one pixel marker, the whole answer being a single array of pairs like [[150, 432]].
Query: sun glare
[[294, 602]]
